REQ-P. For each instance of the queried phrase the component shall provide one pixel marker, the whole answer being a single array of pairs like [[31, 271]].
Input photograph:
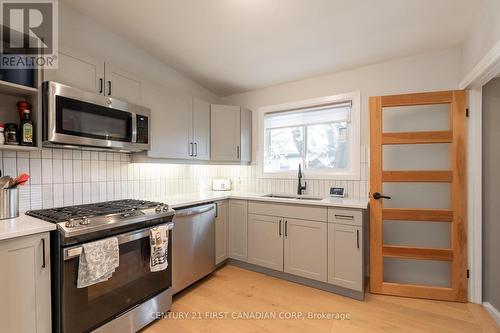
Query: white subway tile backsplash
[[58, 195], [35, 171], [57, 172], [67, 171], [47, 171], [61, 177], [77, 171]]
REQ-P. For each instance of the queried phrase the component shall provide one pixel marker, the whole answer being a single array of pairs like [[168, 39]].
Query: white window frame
[[353, 173]]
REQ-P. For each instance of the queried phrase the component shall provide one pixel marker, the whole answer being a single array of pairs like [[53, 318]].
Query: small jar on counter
[[2, 137]]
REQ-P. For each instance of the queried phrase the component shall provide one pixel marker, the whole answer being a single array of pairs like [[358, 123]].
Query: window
[[322, 137]]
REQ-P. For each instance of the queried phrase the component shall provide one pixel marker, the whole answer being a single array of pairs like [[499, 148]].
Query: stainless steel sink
[[298, 197]]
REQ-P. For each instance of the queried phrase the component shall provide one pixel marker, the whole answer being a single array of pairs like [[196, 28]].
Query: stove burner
[[62, 214]]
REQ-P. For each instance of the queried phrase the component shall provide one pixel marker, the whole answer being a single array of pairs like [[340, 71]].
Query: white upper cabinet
[[121, 85], [231, 128], [201, 129], [78, 70], [81, 71]]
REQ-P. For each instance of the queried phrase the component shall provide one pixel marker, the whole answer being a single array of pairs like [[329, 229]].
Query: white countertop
[[181, 200], [23, 225]]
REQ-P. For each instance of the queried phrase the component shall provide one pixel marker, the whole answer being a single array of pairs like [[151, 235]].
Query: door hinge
[[467, 112], [468, 274]]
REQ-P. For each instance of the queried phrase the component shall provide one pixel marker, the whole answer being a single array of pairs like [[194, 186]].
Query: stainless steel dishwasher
[[193, 245]]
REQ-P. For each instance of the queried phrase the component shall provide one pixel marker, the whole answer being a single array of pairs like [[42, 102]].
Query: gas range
[[133, 292], [102, 217]]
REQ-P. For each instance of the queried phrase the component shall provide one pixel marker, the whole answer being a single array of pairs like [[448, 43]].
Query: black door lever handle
[[378, 196]]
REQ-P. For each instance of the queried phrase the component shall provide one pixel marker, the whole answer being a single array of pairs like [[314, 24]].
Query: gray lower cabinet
[[238, 215], [305, 249], [265, 241], [345, 254], [221, 232], [25, 284]]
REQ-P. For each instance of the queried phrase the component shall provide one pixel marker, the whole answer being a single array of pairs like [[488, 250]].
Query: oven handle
[[75, 251]]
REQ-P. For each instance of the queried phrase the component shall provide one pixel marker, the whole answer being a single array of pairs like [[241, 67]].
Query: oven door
[[75, 117], [85, 309]]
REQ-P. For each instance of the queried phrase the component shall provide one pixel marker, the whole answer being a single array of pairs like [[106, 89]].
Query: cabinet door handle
[[286, 228], [191, 149], [344, 217], [216, 210], [109, 88], [357, 238], [238, 152], [101, 85], [279, 230], [196, 149], [43, 253]]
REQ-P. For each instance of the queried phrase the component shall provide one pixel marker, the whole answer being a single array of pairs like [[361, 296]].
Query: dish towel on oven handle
[[159, 248], [98, 261]]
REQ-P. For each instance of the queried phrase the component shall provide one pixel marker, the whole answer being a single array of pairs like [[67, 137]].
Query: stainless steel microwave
[[73, 117]]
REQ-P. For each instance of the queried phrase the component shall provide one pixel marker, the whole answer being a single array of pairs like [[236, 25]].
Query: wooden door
[[238, 211], [221, 231], [345, 256], [201, 129], [265, 241], [225, 133], [305, 249], [434, 216]]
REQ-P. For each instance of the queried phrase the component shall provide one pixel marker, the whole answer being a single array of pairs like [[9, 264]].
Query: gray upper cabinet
[[25, 284], [81, 71], [171, 129], [201, 130], [231, 133], [181, 125]]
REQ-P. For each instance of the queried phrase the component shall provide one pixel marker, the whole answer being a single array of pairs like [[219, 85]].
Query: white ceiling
[[230, 46]]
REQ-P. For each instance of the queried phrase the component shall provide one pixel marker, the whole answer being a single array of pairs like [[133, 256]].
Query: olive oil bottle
[[26, 130]]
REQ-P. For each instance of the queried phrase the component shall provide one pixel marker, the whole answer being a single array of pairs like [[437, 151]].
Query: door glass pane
[[423, 272], [417, 195], [417, 233], [416, 157], [434, 117]]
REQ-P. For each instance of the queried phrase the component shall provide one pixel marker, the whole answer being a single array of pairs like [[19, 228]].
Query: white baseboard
[[492, 311]]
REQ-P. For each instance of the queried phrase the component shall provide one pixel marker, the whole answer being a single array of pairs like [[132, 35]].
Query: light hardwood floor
[[231, 290]]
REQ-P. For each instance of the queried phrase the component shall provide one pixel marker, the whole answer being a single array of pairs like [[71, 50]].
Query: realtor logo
[[29, 34]]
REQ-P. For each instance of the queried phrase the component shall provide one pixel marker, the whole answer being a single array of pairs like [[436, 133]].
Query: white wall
[[82, 33], [484, 35], [425, 72]]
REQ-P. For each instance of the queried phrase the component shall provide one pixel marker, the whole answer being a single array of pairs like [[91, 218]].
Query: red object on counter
[[21, 106]]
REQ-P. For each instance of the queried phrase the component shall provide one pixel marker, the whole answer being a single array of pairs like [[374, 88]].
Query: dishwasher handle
[[194, 210]]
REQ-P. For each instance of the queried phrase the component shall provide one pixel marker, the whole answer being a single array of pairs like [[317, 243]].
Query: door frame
[[485, 70]]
